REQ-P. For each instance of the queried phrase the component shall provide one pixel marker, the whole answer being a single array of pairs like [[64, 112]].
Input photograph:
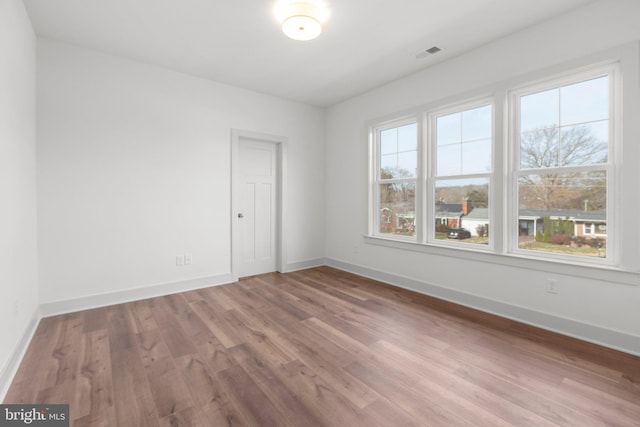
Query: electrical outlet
[[188, 259], [179, 260], [552, 286]]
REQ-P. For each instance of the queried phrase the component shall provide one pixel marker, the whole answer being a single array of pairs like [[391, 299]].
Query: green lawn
[[562, 249], [535, 246]]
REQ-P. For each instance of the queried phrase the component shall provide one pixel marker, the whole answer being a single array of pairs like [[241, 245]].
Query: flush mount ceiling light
[[301, 20]]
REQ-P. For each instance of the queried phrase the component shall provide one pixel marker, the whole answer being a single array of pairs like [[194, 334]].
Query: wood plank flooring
[[319, 347]]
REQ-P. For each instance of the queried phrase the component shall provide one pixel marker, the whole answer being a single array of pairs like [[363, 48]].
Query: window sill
[[596, 272]]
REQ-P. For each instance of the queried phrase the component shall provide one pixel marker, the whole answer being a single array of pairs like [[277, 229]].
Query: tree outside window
[[562, 170]]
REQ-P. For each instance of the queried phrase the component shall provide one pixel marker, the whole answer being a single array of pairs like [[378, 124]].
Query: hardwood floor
[[319, 347]]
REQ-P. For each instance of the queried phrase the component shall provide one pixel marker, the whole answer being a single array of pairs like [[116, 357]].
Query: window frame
[[612, 71], [375, 181], [617, 266], [431, 175]]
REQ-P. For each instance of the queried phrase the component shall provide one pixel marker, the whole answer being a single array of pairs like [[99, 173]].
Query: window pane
[[584, 144], [388, 165], [476, 123], [388, 141], [585, 101], [397, 208], [540, 110], [464, 142], [462, 210], [407, 137], [539, 148], [476, 157], [560, 213], [398, 152], [408, 161], [449, 129], [567, 126], [449, 160]]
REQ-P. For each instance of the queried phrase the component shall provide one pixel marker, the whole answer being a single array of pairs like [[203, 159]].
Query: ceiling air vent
[[431, 51]]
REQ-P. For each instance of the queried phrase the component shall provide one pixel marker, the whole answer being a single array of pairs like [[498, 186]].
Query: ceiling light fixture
[[301, 20]]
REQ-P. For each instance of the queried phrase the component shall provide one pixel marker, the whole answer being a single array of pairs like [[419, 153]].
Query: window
[[552, 179], [563, 168], [396, 169], [463, 166]]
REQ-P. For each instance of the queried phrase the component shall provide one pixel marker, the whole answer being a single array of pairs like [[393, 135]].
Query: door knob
[[240, 215]]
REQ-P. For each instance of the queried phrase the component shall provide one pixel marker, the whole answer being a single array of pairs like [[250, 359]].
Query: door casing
[[281, 144]]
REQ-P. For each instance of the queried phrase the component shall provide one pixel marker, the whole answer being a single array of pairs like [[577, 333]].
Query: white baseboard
[[303, 265], [128, 295], [93, 301], [591, 333], [10, 369]]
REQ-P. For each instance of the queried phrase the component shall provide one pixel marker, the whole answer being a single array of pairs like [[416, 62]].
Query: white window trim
[[431, 172], [612, 70], [574, 268], [374, 176], [626, 268]]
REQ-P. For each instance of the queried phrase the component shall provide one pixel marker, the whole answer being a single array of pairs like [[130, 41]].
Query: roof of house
[[449, 209], [482, 214], [478, 214], [572, 214]]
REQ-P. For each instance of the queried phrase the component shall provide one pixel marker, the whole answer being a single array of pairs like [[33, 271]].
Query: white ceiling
[[365, 43]]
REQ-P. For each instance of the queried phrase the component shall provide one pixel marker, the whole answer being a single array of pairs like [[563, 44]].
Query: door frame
[[281, 178]]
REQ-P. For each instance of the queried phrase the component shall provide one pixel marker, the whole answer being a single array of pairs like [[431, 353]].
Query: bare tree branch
[[554, 147]]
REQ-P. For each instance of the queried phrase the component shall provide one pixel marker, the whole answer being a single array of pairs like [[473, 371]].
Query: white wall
[[18, 248], [598, 308], [134, 168]]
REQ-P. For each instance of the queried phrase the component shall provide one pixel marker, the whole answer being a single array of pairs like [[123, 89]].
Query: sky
[[464, 139]]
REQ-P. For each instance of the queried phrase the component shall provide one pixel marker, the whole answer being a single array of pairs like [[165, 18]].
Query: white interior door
[[257, 214]]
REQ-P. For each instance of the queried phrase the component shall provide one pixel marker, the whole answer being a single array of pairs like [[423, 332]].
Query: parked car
[[458, 233]]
